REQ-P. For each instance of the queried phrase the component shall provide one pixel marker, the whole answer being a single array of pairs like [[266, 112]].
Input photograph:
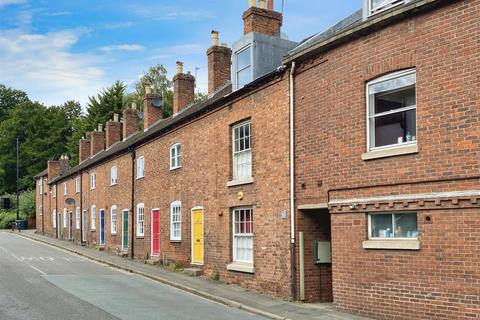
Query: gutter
[[292, 183]]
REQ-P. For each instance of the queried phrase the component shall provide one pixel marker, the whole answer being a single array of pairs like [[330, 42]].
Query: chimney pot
[[252, 3], [148, 89], [134, 106], [225, 45], [115, 117], [271, 5], [262, 4], [100, 127], [179, 67], [215, 38]]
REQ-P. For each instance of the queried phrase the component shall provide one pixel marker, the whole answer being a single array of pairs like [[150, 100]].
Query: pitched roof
[[220, 98], [41, 174]]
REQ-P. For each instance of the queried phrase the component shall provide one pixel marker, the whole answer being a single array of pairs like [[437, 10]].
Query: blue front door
[[102, 227]]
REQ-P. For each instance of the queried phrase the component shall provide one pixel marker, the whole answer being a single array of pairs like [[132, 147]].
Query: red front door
[[155, 233]]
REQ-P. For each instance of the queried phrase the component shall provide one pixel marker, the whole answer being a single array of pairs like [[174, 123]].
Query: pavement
[[231, 296]]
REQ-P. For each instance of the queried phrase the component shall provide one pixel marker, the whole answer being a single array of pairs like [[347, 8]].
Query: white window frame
[[93, 217], [393, 226], [176, 156], [54, 216], [77, 218], [93, 180], [235, 236], [177, 223], [77, 185], [388, 4], [236, 154], [64, 188], [40, 186], [64, 217], [237, 71], [140, 167], [387, 77], [54, 191], [113, 219], [140, 222], [113, 175]]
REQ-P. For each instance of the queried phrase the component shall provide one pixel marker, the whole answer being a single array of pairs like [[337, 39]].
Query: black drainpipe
[[132, 209]]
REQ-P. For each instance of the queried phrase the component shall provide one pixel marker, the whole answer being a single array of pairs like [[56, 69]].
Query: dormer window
[[243, 67], [376, 6]]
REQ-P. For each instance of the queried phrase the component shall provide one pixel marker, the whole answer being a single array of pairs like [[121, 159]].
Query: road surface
[[38, 281]]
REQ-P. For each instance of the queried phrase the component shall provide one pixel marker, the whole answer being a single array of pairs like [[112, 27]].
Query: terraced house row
[[344, 168]]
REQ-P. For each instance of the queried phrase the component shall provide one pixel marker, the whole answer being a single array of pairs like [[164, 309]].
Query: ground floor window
[[64, 218], [393, 225], [54, 218], [243, 235], [113, 220], [140, 220], [77, 218], [93, 217]]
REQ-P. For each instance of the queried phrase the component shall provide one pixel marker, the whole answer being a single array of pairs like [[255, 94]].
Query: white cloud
[[44, 66], [166, 13], [122, 47], [7, 2], [120, 25]]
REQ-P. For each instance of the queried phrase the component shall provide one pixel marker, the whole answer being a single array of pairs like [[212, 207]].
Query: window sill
[[240, 182], [139, 178], [175, 168], [93, 230], [175, 240], [390, 152], [392, 244], [241, 267], [113, 184]]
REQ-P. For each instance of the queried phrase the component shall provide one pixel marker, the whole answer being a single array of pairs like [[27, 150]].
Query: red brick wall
[[331, 136], [263, 21], [183, 91], [219, 67]]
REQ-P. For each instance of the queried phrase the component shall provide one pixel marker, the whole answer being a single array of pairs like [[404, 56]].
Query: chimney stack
[[183, 89], [130, 121], [219, 64], [97, 141], [262, 19], [152, 108], [113, 131], [58, 167], [84, 149]]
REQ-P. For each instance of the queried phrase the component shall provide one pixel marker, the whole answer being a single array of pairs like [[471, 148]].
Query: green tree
[[100, 109], [9, 98]]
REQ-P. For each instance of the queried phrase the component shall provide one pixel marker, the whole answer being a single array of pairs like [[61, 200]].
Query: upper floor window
[[176, 221], [40, 186], [140, 167], [64, 188], [77, 184], [113, 175], [243, 67], [140, 220], [175, 156], [93, 180], [242, 152], [376, 6], [54, 191], [392, 110]]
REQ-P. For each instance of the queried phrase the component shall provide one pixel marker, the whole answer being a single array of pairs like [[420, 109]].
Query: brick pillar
[[113, 131], [84, 149], [262, 20], [219, 64], [97, 140], [183, 89], [130, 121], [152, 110]]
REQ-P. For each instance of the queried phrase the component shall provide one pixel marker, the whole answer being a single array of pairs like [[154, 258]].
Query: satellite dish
[[157, 102]]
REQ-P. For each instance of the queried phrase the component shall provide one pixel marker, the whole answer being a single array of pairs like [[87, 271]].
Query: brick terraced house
[[343, 169]]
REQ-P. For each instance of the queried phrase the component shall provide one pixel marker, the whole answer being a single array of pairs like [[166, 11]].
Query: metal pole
[[18, 198]]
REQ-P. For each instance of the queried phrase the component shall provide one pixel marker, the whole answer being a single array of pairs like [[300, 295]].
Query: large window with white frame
[[93, 180], [140, 167], [113, 220], [392, 110], [393, 225], [242, 150], [243, 67], [40, 186], [93, 217], [377, 6], [54, 218], [54, 191], [175, 156], [77, 185], [113, 175], [64, 217], [243, 235], [140, 220], [77, 218], [176, 221]]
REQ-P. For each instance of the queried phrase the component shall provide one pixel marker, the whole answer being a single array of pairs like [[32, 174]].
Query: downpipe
[[292, 186]]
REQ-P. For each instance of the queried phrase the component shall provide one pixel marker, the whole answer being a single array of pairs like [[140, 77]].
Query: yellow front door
[[197, 236]]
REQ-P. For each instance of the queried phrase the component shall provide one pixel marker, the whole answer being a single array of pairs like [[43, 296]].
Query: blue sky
[[63, 50]]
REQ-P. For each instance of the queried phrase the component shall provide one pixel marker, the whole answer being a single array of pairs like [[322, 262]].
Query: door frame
[[102, 230], [125, 231], [84, 226], [70, 226], [151, 232], [203, 235]]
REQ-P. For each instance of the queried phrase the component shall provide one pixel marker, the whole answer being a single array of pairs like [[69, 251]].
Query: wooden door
[[125, 230], [102, 228], [197, 236], [155, 233]]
